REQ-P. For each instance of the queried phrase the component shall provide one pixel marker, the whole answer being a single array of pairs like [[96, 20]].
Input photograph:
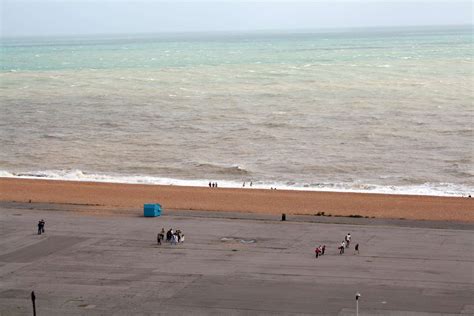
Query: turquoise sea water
[[373, 110]]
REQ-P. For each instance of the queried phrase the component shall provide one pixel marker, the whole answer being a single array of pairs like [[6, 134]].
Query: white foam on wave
[[6, 174], [432, 189]]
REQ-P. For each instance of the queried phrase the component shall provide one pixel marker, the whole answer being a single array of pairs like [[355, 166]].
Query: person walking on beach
[[323, 250], [356, 249], [347, 239]]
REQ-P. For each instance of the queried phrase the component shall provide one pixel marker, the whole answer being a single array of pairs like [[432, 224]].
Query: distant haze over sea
[[370, 110]]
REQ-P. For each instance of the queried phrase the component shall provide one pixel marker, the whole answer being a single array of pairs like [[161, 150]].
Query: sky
[[88, 17]]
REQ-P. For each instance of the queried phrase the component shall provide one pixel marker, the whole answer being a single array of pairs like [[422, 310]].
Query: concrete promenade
[[230, 264]]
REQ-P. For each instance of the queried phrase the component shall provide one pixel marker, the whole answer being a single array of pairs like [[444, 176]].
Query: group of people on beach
[[250, 184], [173, 237]]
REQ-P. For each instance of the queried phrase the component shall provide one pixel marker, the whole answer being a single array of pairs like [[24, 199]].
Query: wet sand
[[106, 198]]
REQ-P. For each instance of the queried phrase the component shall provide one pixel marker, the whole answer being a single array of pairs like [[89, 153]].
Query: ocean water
[[366, 110]]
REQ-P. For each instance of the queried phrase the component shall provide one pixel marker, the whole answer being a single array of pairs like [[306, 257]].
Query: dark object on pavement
[[33, 298]]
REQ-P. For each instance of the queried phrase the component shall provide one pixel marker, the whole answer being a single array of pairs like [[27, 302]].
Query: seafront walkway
[[92, 264]]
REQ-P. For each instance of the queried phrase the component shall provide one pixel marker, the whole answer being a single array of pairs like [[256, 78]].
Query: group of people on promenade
[[173, 237], [346, 243], [319, 251]]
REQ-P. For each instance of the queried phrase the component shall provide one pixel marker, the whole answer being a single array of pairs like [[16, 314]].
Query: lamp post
[[357, 303]]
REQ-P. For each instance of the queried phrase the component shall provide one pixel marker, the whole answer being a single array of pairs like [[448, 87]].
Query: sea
[[376, 110]]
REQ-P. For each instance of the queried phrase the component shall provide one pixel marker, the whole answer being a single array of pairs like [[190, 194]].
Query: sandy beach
[[110, 197]]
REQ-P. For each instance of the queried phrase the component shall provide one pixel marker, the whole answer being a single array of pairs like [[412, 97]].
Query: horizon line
[[335, 29]]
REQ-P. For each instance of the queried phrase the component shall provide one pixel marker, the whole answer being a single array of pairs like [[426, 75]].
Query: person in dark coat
[[169, 234], [41, 226]]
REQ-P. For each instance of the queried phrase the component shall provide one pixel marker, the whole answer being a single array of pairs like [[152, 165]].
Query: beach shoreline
[[131, 197]]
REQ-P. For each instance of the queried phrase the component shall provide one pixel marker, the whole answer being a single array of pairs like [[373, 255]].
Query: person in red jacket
[[317, 251]]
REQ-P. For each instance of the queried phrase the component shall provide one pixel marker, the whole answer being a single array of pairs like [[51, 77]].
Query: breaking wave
[[210, 168], [433, 189]]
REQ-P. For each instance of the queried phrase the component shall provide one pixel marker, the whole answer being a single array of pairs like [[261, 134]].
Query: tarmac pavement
[[230, 264]]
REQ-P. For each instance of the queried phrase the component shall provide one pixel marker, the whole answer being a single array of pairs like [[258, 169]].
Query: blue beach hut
[[151, 210]]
